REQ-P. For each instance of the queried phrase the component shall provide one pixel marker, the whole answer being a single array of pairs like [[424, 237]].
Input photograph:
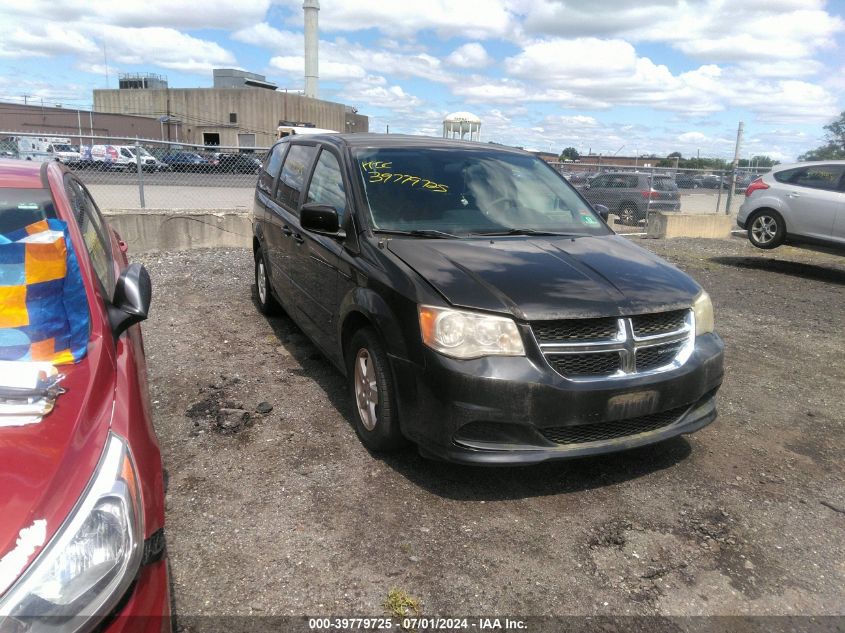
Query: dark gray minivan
[[476, 303]]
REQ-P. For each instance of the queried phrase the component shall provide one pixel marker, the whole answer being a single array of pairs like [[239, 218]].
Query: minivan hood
[[44, 467], [536, 278]]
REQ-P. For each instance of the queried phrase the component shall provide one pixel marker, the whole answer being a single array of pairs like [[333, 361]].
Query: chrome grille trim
[[626, 343]]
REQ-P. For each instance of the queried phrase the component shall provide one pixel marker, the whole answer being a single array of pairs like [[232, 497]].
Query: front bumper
[[501, 410], [147, 608]]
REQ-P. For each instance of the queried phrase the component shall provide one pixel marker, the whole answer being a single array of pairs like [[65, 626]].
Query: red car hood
[[45, 467]]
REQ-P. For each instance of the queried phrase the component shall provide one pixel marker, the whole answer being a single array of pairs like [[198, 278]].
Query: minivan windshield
[[470, 191]]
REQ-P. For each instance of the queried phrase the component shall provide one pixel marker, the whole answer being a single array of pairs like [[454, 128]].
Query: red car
[[81, 487]]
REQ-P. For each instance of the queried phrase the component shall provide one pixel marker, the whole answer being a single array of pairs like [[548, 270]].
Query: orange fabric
[[14, 312], [45, 262], [43, 350], [37, 227]]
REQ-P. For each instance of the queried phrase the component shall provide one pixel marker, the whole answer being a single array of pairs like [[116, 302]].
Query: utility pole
[[732, 181], [25, 97]]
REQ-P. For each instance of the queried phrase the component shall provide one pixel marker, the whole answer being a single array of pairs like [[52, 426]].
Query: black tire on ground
[[369, 377], [264, 298], [628, 214], [766, 229]]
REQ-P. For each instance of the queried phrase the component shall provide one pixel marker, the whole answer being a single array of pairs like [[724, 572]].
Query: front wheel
[[766, 229], [628, 214], [267, 303], [371, 388]]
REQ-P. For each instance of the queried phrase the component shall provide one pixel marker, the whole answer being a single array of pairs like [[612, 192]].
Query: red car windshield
[[22, 207]]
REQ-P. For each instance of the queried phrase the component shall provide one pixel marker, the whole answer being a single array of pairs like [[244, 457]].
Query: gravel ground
[[282, 511]]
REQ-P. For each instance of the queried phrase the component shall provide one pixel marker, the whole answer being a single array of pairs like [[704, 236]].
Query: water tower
[[462, 125]]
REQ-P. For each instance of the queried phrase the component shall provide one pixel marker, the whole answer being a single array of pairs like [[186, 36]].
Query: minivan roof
[[401, 140]]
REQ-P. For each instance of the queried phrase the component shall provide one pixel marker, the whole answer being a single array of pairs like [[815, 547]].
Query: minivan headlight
[[464, 334], [702, 309], [91, 561]]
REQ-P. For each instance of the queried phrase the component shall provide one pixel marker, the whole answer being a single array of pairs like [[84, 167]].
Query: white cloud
[[163, 47], [471, 55], [479, 19], [271, 38], [44, 40], [177, 14], [329, 71]]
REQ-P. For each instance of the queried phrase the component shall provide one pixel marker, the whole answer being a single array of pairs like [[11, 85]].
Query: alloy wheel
[[764, 228], [366, 389]]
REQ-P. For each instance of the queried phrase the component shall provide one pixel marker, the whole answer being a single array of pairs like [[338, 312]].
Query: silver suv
[[632, 195], [802, 203]]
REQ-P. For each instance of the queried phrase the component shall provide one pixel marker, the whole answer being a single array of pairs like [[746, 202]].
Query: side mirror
[[602, 210], [131, 303], [320, 218]]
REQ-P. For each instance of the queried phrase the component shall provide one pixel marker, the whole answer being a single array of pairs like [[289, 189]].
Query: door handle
[[298, 238], [794, 195], [286, 230]]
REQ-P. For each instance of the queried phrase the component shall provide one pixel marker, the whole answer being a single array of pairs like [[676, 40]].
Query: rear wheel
[[371, 388], [267, 303], [766, 229]]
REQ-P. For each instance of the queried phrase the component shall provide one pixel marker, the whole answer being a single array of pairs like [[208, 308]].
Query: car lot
[[285, 512]]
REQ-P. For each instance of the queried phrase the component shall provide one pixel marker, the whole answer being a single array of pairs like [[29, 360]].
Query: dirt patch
[[289, 514]]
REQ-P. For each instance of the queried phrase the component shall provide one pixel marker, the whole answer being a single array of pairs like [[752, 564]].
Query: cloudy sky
[[627, 76]]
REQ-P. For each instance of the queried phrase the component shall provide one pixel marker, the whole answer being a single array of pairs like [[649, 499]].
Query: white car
[[801, 203]]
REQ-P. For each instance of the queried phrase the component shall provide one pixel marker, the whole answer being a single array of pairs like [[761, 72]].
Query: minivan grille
[[601, 431], [658, 323], [657, 355], [575, 329], [592, 349], [576, 365]]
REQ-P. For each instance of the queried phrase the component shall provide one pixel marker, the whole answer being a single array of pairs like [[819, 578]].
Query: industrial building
[[76, 124], [243, 110]]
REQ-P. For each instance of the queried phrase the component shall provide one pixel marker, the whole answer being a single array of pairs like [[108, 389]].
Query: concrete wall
[[668, 225], [151, 230], [207, 110], [67, 123]]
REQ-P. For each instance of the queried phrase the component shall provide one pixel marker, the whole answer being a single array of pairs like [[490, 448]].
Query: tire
[[369, 377], [264, 298], [628, 214], [766, 229]]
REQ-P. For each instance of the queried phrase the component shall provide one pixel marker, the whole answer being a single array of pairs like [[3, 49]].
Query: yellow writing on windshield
[[375, 165], [381, 177]]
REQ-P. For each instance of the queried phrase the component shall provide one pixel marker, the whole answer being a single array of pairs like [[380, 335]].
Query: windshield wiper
[[517, 231], [420, 233]]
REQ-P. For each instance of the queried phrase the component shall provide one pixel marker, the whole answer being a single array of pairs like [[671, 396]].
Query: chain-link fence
[[128, 173], [633, 195]]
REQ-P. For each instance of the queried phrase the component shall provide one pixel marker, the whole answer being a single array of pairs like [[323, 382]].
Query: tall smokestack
[[311, 7]]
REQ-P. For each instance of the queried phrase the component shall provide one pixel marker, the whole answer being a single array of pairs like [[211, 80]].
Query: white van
[[43, 148]]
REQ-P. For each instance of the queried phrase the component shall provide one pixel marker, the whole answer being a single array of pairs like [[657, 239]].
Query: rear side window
[[294, 172], [816, 177], [270, 168], [22, 207], [664, 184], [327, 184]]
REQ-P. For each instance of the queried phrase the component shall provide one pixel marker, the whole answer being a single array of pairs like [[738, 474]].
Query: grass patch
[[401, 605]]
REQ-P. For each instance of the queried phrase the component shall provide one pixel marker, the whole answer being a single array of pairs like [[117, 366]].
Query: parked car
[[188, 161], [148, 161], [632, 195], [710, 181], [688, 180], [801, 203], [476, 303], [238, 163], [82, 535]]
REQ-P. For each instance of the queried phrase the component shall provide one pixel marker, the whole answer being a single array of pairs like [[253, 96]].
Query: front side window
[[270, 168], [464, 191], [94, 234], [327, 184], [294, 171]]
